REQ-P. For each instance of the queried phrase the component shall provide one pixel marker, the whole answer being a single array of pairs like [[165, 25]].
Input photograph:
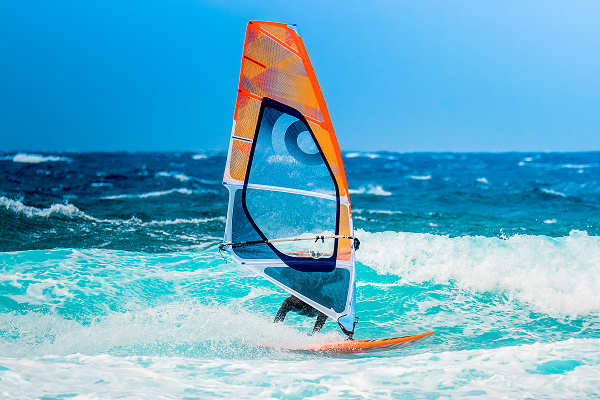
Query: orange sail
[[286, 177]]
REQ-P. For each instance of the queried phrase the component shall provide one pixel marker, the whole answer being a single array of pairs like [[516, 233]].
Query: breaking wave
[[185, 191], [556, 276], [27, 158], [181, 177], [553, 192], [385, 212], [420, 177], [65, 210], [376, 190], [72, 212]]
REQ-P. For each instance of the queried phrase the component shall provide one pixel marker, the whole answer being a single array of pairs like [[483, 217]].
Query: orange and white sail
[[289, 212]]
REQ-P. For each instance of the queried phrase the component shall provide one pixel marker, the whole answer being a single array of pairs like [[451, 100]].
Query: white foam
[[550, 221], [376, 190], [557, 276], [578, 166], [71, 211], [199, 157], [372, 156], [420, 177], [181, 177], [67, 210], [178, 221], [101, 184], [483, 179], [553, 192], [385, 212], [149, 194], [37, 158], [510, 372], [172, 324]]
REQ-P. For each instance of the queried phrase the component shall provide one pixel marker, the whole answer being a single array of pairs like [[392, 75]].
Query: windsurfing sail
[[289, 214]]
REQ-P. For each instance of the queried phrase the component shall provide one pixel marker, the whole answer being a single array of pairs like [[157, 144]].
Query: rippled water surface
[[111, 285]]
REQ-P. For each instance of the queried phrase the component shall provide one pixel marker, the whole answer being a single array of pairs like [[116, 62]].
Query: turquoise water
[[111, 286]]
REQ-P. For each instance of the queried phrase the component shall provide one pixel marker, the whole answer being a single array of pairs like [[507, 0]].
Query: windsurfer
[[294, 304]]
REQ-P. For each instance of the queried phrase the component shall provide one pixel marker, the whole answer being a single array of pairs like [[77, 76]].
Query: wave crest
[[66, 210], [36, 158], [375, 190], [557, 276], [72, 212]]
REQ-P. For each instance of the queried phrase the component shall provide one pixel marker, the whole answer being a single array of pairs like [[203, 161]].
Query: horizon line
[[215, 151]]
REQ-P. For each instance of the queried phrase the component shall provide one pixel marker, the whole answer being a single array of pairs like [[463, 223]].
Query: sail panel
[[289, 215], [286, 154], [330, 289]]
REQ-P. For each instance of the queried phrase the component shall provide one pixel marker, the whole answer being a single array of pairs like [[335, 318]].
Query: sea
[[112, 286]]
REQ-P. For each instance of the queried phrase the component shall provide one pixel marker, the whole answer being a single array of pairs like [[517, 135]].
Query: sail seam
[[291, 190], [246, 93], [242, 139], [270, 36]]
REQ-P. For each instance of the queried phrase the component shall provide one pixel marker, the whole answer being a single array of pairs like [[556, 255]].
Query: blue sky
[[402, 75]]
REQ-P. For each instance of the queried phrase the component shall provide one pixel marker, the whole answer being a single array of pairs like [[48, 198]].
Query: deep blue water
[[111, 285]]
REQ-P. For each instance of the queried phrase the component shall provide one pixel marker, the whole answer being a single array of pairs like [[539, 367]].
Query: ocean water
[[111, 285]]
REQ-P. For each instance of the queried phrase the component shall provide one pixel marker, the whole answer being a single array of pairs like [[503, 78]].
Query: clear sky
[[399, 75]]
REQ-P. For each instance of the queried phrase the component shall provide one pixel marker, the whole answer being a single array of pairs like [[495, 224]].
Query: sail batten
[[286, 178]]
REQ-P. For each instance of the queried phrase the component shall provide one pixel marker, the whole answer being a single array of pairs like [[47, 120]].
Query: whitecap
[[37, 158], [420, 177], [71, 211], [178, 221], [67, 210], [578, 166], [554, 275], [376, 190], [101, 184], [483, 179], [149, 194], [550, 221], [199, 157], [181, 177], [553, 192], [386, 212], [372, 156]]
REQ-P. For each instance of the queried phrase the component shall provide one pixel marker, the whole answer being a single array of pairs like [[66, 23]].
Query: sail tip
[[281, 24]]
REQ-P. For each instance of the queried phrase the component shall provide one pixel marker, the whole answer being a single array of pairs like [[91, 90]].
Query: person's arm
[[321, 318], [283, 310]]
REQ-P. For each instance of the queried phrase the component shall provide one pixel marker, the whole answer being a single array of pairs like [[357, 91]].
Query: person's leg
[[321, 318], [284, 309]]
